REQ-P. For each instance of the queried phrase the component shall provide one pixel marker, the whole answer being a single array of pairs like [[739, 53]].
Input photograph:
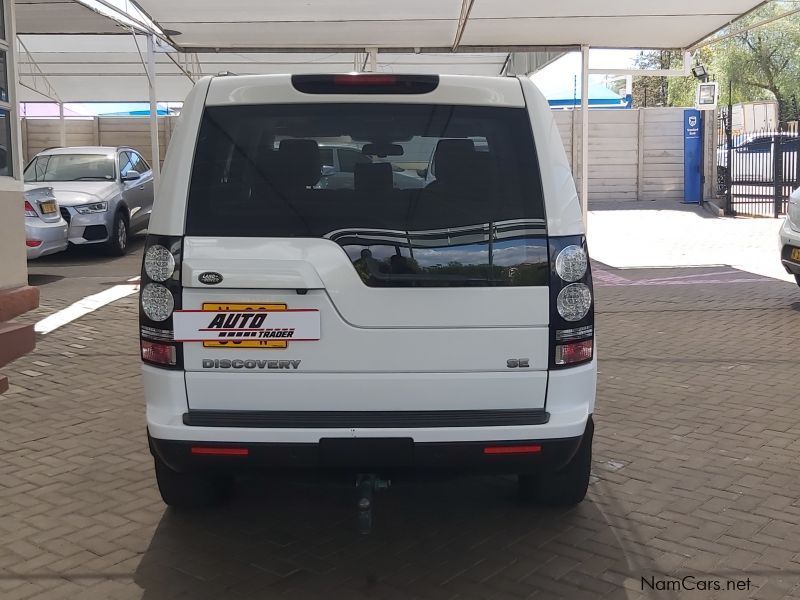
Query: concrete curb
[[713, 208]]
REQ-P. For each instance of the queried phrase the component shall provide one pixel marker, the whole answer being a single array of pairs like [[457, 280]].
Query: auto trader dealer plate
[[255, 325], [268, 343]]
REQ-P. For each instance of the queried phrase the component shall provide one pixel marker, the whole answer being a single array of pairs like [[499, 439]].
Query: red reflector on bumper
[[33, 243], [533, 449], [208, 451]]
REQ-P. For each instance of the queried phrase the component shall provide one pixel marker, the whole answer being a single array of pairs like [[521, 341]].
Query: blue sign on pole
[[692, 156]]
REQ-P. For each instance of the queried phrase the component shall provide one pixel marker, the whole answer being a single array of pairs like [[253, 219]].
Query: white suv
[[368, 329]]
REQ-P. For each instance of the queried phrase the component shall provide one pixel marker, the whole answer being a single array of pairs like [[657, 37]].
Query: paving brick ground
[[696, 473]]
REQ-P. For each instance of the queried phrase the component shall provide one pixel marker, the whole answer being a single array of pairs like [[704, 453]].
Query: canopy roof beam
[[466, 9], [381, 50], [36, 74], [757, 25]]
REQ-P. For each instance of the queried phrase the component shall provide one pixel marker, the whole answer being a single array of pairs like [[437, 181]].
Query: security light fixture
[[700, 72]]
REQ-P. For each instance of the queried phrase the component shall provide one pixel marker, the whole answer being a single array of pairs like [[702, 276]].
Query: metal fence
[[757, 170]]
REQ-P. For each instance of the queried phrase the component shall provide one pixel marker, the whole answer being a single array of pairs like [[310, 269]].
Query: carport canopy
[[63, 42], [442, 25], [262, 36]]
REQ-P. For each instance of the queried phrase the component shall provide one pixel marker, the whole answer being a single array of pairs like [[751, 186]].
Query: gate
[[757, 170]]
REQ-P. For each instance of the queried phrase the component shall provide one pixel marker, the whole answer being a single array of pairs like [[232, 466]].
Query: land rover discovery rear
[[367, 327]]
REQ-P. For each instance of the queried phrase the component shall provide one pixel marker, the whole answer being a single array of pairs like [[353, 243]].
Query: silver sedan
[[105, 193], [45, 228]]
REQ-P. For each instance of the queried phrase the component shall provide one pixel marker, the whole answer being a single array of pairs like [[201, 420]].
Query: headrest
[[298, 163], [373, 177], [453, 157]]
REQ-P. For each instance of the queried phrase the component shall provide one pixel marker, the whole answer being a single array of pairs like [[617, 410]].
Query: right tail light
[[571, 303], [159, 297]]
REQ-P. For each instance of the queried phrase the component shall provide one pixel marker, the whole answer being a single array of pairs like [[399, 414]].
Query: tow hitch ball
[[366, 485]]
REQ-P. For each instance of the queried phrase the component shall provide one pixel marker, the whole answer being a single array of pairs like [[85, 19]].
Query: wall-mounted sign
[[707, 95]]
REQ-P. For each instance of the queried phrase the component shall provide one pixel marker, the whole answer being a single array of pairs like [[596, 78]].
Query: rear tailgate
[[379, 348], [429, 298]]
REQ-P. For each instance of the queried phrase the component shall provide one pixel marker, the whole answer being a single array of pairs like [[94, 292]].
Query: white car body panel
[[570, 403], [381, 348]]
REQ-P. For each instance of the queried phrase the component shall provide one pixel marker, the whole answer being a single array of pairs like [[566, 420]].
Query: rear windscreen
[[416, 195]]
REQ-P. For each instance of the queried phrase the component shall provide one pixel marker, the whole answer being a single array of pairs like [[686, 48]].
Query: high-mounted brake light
[[364, 79], [365, 83]]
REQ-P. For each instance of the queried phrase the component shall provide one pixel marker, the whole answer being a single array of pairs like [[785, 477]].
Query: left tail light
[[571, 303], [29, 211], [159, 298]]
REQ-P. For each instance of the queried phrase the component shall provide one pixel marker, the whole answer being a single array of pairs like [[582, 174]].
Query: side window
[[759, 146], [348, 159], [125, 164], [139, 163], [326, 156]]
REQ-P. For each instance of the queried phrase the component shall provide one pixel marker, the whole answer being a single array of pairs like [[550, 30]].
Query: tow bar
[[366, 485]]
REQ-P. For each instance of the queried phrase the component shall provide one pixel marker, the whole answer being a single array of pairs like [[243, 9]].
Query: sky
[[566, 71]]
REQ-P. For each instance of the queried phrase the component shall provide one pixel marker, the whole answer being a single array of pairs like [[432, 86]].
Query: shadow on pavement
[[467, 537], [87, 254], [673, 205], [40, 280]]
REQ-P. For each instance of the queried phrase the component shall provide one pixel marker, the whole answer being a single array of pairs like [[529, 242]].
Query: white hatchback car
[[367, 329], [790, 237]]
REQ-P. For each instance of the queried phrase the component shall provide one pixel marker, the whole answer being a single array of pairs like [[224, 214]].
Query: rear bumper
[[385, 455], [53, 238]]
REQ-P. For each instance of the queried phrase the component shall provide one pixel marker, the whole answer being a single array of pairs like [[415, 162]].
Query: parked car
[[790, 237], [45, 228], [105, 194], [367, 329], [339, 165], [752, 158]]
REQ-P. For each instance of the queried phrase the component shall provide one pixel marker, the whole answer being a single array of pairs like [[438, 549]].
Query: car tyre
[[192, 490], [117, 243], [566, 486]]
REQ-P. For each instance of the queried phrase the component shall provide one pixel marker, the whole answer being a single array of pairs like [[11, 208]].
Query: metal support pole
[[14, 169], [729, 153], [373, 60], [151, 78], [585, 134], [62, 126]]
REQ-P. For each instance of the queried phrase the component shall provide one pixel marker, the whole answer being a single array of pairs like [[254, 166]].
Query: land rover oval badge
[[210, 278]]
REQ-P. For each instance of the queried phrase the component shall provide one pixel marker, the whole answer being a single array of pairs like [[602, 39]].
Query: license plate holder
[[366, 452], [795, 255], [239, 344], [48, 208]]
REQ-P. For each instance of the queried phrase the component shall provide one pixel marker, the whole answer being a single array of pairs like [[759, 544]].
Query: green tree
[[764, 62], [760, 64], [652, 91]]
